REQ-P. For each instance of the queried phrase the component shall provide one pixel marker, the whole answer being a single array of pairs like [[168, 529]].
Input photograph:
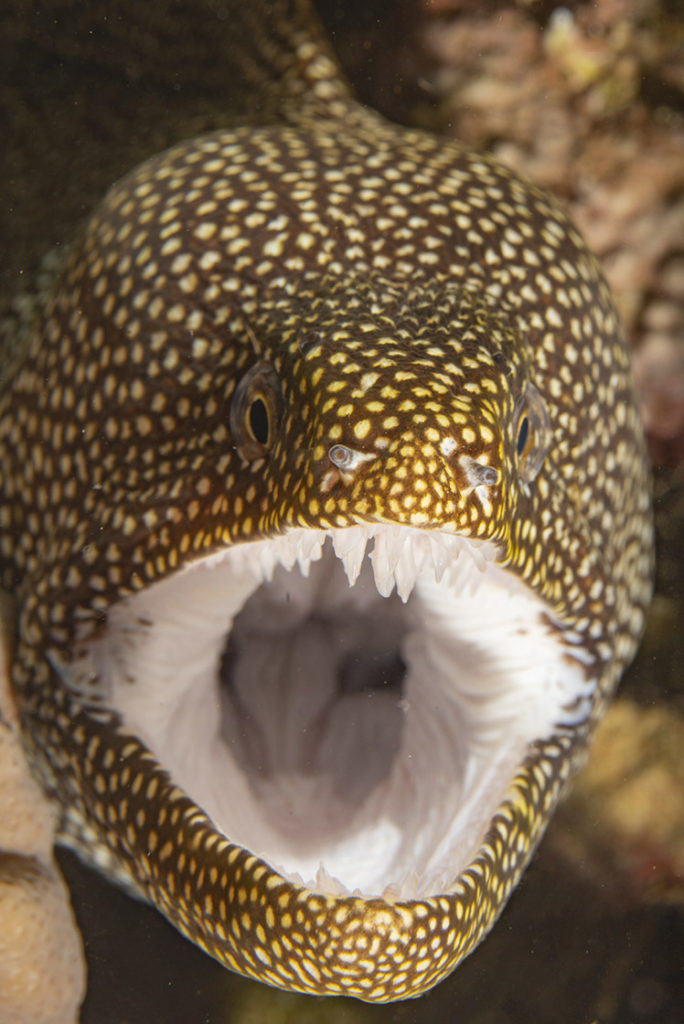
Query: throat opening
[[312, 682]]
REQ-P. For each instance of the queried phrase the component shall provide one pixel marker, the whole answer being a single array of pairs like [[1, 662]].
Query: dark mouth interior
[[334, 670]]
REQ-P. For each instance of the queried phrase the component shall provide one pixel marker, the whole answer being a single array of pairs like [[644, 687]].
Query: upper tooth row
[[397, 558]]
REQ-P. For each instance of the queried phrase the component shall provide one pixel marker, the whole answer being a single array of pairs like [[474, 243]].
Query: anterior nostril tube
[[341, 456], [477, 473], [348, 459]]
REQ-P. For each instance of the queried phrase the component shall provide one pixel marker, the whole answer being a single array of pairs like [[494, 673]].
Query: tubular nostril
[[490, 476], [477, 473], [347, 459], [341, 456]]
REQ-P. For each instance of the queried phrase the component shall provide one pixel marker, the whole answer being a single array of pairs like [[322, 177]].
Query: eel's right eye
[[255, 411], [259, 421]]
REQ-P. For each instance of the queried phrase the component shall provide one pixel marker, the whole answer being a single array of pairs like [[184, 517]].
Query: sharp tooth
[[350, 547], [328, 883], [408, 887], [309, 550], [405, 578], [386, 553], [478, 557], [408, 567], [441, 554], [287, 551], [268, 559], [304, 564]]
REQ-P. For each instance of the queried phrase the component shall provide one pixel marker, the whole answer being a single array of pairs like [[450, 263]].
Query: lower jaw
[[357, 743]]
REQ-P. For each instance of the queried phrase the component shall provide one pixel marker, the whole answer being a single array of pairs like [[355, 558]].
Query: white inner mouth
[[357, 742]]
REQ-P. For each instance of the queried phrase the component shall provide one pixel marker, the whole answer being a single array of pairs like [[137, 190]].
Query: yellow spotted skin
[[401, 294]]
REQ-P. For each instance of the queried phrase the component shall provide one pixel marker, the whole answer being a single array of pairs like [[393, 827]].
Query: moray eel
[[325, 507]]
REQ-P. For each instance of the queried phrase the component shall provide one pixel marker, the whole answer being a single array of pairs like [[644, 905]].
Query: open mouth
[[350, 705]]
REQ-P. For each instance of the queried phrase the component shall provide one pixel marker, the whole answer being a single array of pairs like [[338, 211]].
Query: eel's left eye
[[255, 411], [523, 434], [532, 433]]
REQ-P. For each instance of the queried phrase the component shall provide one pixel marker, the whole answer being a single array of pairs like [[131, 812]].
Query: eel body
[[270, 347]]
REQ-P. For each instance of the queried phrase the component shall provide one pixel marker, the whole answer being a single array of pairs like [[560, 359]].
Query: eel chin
[[353, 719]]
